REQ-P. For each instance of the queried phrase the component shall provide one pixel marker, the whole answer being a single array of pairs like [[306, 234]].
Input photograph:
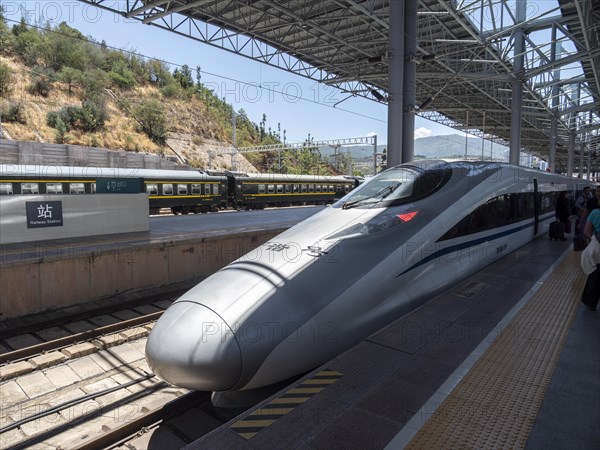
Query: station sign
[[44, 214], [119, 185]]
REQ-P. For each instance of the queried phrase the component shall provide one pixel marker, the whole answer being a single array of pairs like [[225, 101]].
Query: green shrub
[[14, 113], [89, 117], [41, 84], [121, 75], [5, 79], [153, 121], [60, 135]]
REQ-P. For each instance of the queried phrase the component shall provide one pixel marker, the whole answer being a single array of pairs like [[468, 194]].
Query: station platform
[[44, 275], [508, 358]]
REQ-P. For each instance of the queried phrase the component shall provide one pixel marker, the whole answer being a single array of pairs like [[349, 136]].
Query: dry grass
[[192, 128]]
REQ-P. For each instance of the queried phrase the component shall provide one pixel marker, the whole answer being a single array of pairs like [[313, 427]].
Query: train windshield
[[395, 186]]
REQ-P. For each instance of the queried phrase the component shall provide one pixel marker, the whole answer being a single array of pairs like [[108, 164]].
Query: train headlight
[[381, 222]]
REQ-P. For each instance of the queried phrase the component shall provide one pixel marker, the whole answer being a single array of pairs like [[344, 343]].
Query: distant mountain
[[444, 146], [454, 145]]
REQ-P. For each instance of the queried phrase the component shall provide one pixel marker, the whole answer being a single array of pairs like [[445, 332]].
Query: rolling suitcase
[[579, 242], [557, 231]]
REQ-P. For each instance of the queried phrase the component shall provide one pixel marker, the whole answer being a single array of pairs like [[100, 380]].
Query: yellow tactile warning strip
[[496, 403], [284, 404]]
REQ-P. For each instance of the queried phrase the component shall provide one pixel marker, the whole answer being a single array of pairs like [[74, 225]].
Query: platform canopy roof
[[465, 54]]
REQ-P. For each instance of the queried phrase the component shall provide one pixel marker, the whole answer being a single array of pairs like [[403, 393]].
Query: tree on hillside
[[28, 44], [71, 77], [184, 76], [158, 72], [95, 82], [122, 75], [66, 47]]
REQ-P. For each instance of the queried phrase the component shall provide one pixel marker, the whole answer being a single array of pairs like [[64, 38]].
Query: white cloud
[[422, 132]]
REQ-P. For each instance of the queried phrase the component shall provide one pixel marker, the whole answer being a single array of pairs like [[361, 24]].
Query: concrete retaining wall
[[46, 283], [82, 215], [23, 152]]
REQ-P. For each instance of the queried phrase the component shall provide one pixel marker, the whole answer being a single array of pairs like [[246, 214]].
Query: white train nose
[[191, 346]]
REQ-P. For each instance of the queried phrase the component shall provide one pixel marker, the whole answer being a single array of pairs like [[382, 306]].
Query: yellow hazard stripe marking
[[281, 400], [252, 424], [272, 411], [247, 435], [325, 381], [300, 390]]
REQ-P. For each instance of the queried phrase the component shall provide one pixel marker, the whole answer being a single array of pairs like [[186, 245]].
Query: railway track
[[94, 389]]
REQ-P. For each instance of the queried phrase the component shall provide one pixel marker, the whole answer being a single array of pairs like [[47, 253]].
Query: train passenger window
[[76, 188], [167, 189], [196, 189], [6, 189], [311, 188], [54, 188], [152, 189], [296, 188], [261, 188], [182, 189], [288, 188], [93, 188], [331, 189], [318, 188], [280, 188], [207, 189], [303, 188], [30, 188], [215, 189], [271, 188]]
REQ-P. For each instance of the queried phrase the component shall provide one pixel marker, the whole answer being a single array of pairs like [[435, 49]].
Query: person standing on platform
[[592, 203], [581, 201], [562, 211], [590, 261]]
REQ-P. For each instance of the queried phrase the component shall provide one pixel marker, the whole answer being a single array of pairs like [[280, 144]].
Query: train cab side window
[[152, 189], [93, 188], [280, 188], [167, 189], [261, 188], [76, 188], [6, 189], [271, 188], [54, 188], [182, 189], [196, 189], [215, 189]]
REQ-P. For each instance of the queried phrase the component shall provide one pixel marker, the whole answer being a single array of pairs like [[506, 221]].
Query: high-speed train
[[330, 281]]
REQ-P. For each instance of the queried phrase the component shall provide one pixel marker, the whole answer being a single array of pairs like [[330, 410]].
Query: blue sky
[[315, 115], [228, 75]]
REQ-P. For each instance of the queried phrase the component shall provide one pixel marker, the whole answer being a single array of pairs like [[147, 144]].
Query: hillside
[[57, 85]]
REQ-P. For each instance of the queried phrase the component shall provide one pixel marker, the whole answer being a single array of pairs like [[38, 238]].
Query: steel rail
[[56, 344]]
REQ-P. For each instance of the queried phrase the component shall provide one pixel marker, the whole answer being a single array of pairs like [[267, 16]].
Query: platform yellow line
[[496, 403]]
